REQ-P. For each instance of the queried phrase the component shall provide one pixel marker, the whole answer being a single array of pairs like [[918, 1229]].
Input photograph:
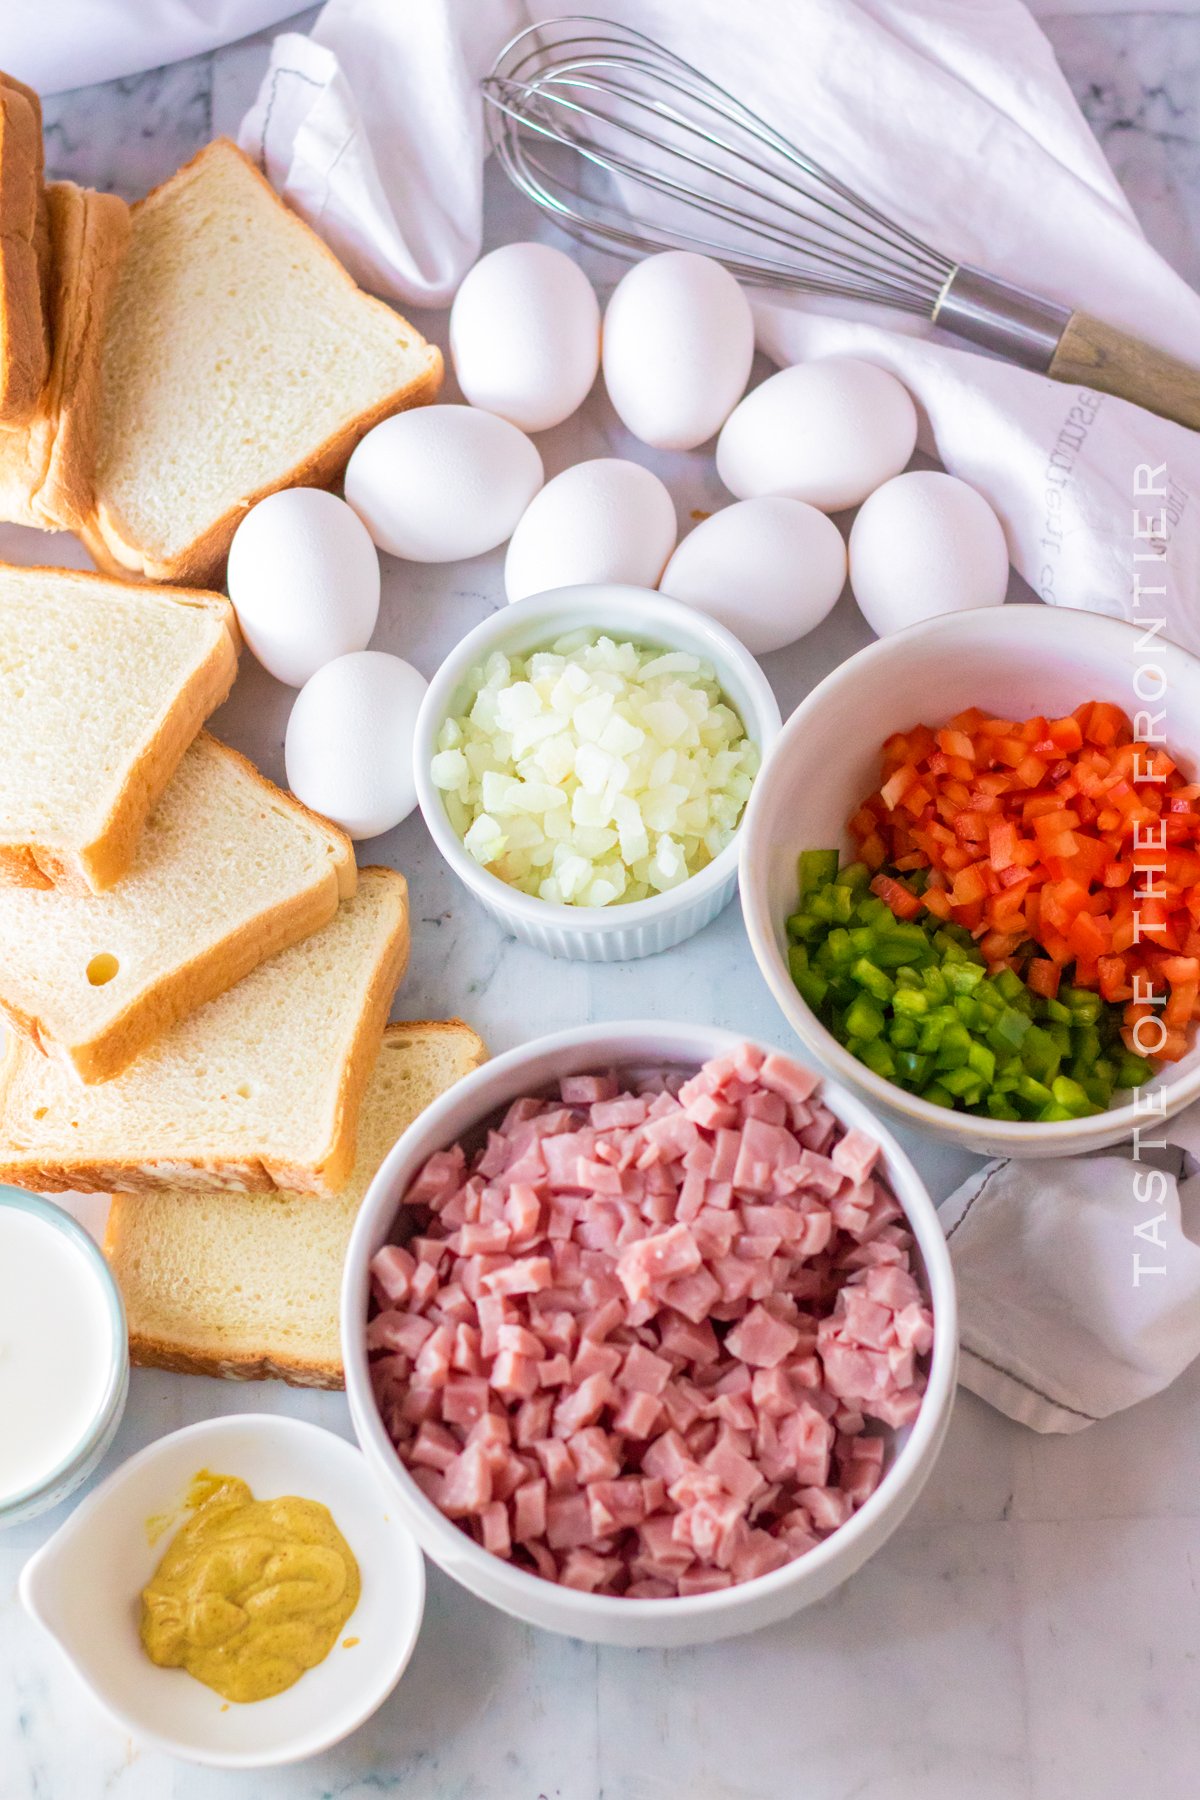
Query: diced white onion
[[594, 772]]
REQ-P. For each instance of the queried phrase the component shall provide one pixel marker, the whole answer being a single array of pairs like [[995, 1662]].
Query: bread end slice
[[248, 1287], [24, 349]]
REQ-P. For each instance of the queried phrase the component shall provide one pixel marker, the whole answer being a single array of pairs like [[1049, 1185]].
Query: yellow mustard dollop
[[250, 1593]]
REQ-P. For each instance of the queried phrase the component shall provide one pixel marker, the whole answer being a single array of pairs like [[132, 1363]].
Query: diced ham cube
[[587, 1090], [434, 1446], [758, 1554], [568, 1521], [644, 1371], [391, 1274], [692, 1295], [651, 1260], [557, 1461], [594, 1454], [639, 1415], [493, 1529], [583, 1405], [791, 1079], [404, 1331], [464, 1400], [762, 1340], [584, 1570], [524, 1276], [467, 1483], [529, 1511], [438, 1179], [533, 1419], [515, 1377], [827, 1507]]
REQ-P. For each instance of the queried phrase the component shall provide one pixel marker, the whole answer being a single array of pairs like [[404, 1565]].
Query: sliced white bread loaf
[[247, 1286], [103, 685], [258, 1090], [228, 872], [47, 462], [240, 358], [24, 346]]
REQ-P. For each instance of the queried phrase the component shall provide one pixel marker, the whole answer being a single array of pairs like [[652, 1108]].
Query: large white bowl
[[606, 1619], [594, 933], [1015, 662], [83, 1588]]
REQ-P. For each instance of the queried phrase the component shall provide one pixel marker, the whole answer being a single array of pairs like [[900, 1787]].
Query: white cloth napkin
[[951, 115], [1079, 1280], [72, 43]]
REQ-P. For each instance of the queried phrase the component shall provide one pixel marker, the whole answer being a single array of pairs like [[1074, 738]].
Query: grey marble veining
[[1033, 1631], [1137, 79]]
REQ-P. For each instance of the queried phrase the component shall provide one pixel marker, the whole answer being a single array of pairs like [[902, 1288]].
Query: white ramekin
[[1014, 662], [59, 1483], [594, 933], [607, 1619]]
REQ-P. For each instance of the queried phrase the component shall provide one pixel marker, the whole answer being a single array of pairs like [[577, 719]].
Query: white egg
[[303, 577], [827, 432], [525, 335], [349, 744], [441, 483], [607, 520], [923, 544], [678, 344], [769, 570]]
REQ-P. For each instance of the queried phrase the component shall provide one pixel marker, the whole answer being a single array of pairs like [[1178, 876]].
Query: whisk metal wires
[[622, 106], [633, 150]]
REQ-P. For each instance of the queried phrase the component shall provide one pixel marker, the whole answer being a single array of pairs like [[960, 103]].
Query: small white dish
[[595, 933], [84, 1588], [1015, 662], [611, 1619]]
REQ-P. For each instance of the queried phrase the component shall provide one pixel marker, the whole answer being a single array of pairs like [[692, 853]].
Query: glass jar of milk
[[64, 1355]]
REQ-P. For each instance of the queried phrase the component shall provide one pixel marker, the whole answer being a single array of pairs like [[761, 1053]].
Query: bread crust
[[24, 349], [97, 866], [150, 1351], [213, 969], [325, 1177], [111, 542]]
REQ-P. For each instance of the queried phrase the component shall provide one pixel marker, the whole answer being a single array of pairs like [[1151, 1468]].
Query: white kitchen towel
[[72, 43], [951, 115], [75, 42], [1079, 1279]]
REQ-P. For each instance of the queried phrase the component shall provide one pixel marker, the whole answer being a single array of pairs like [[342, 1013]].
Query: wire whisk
[[591, 119]]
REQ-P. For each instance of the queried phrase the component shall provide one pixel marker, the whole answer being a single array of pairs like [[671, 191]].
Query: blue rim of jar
[[59, 1220]]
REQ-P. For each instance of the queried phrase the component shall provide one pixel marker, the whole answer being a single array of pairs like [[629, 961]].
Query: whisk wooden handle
[[1096, 355]]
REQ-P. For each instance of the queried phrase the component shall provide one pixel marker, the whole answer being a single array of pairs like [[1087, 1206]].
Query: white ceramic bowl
[[606, 1619], [82, 1458], [594, 933], [83, 1587], [1014, 661]]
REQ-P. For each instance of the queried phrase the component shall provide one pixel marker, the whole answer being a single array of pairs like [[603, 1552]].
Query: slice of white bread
[[103, 685], [24, 347], [229, 871], [258, 1090], [240, 358], [47, 463], [247, 1287]]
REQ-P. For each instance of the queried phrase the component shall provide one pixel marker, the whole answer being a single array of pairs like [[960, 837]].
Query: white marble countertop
[[1033, 1631]]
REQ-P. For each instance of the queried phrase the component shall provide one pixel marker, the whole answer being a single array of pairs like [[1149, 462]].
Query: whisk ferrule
[[997, 315]]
